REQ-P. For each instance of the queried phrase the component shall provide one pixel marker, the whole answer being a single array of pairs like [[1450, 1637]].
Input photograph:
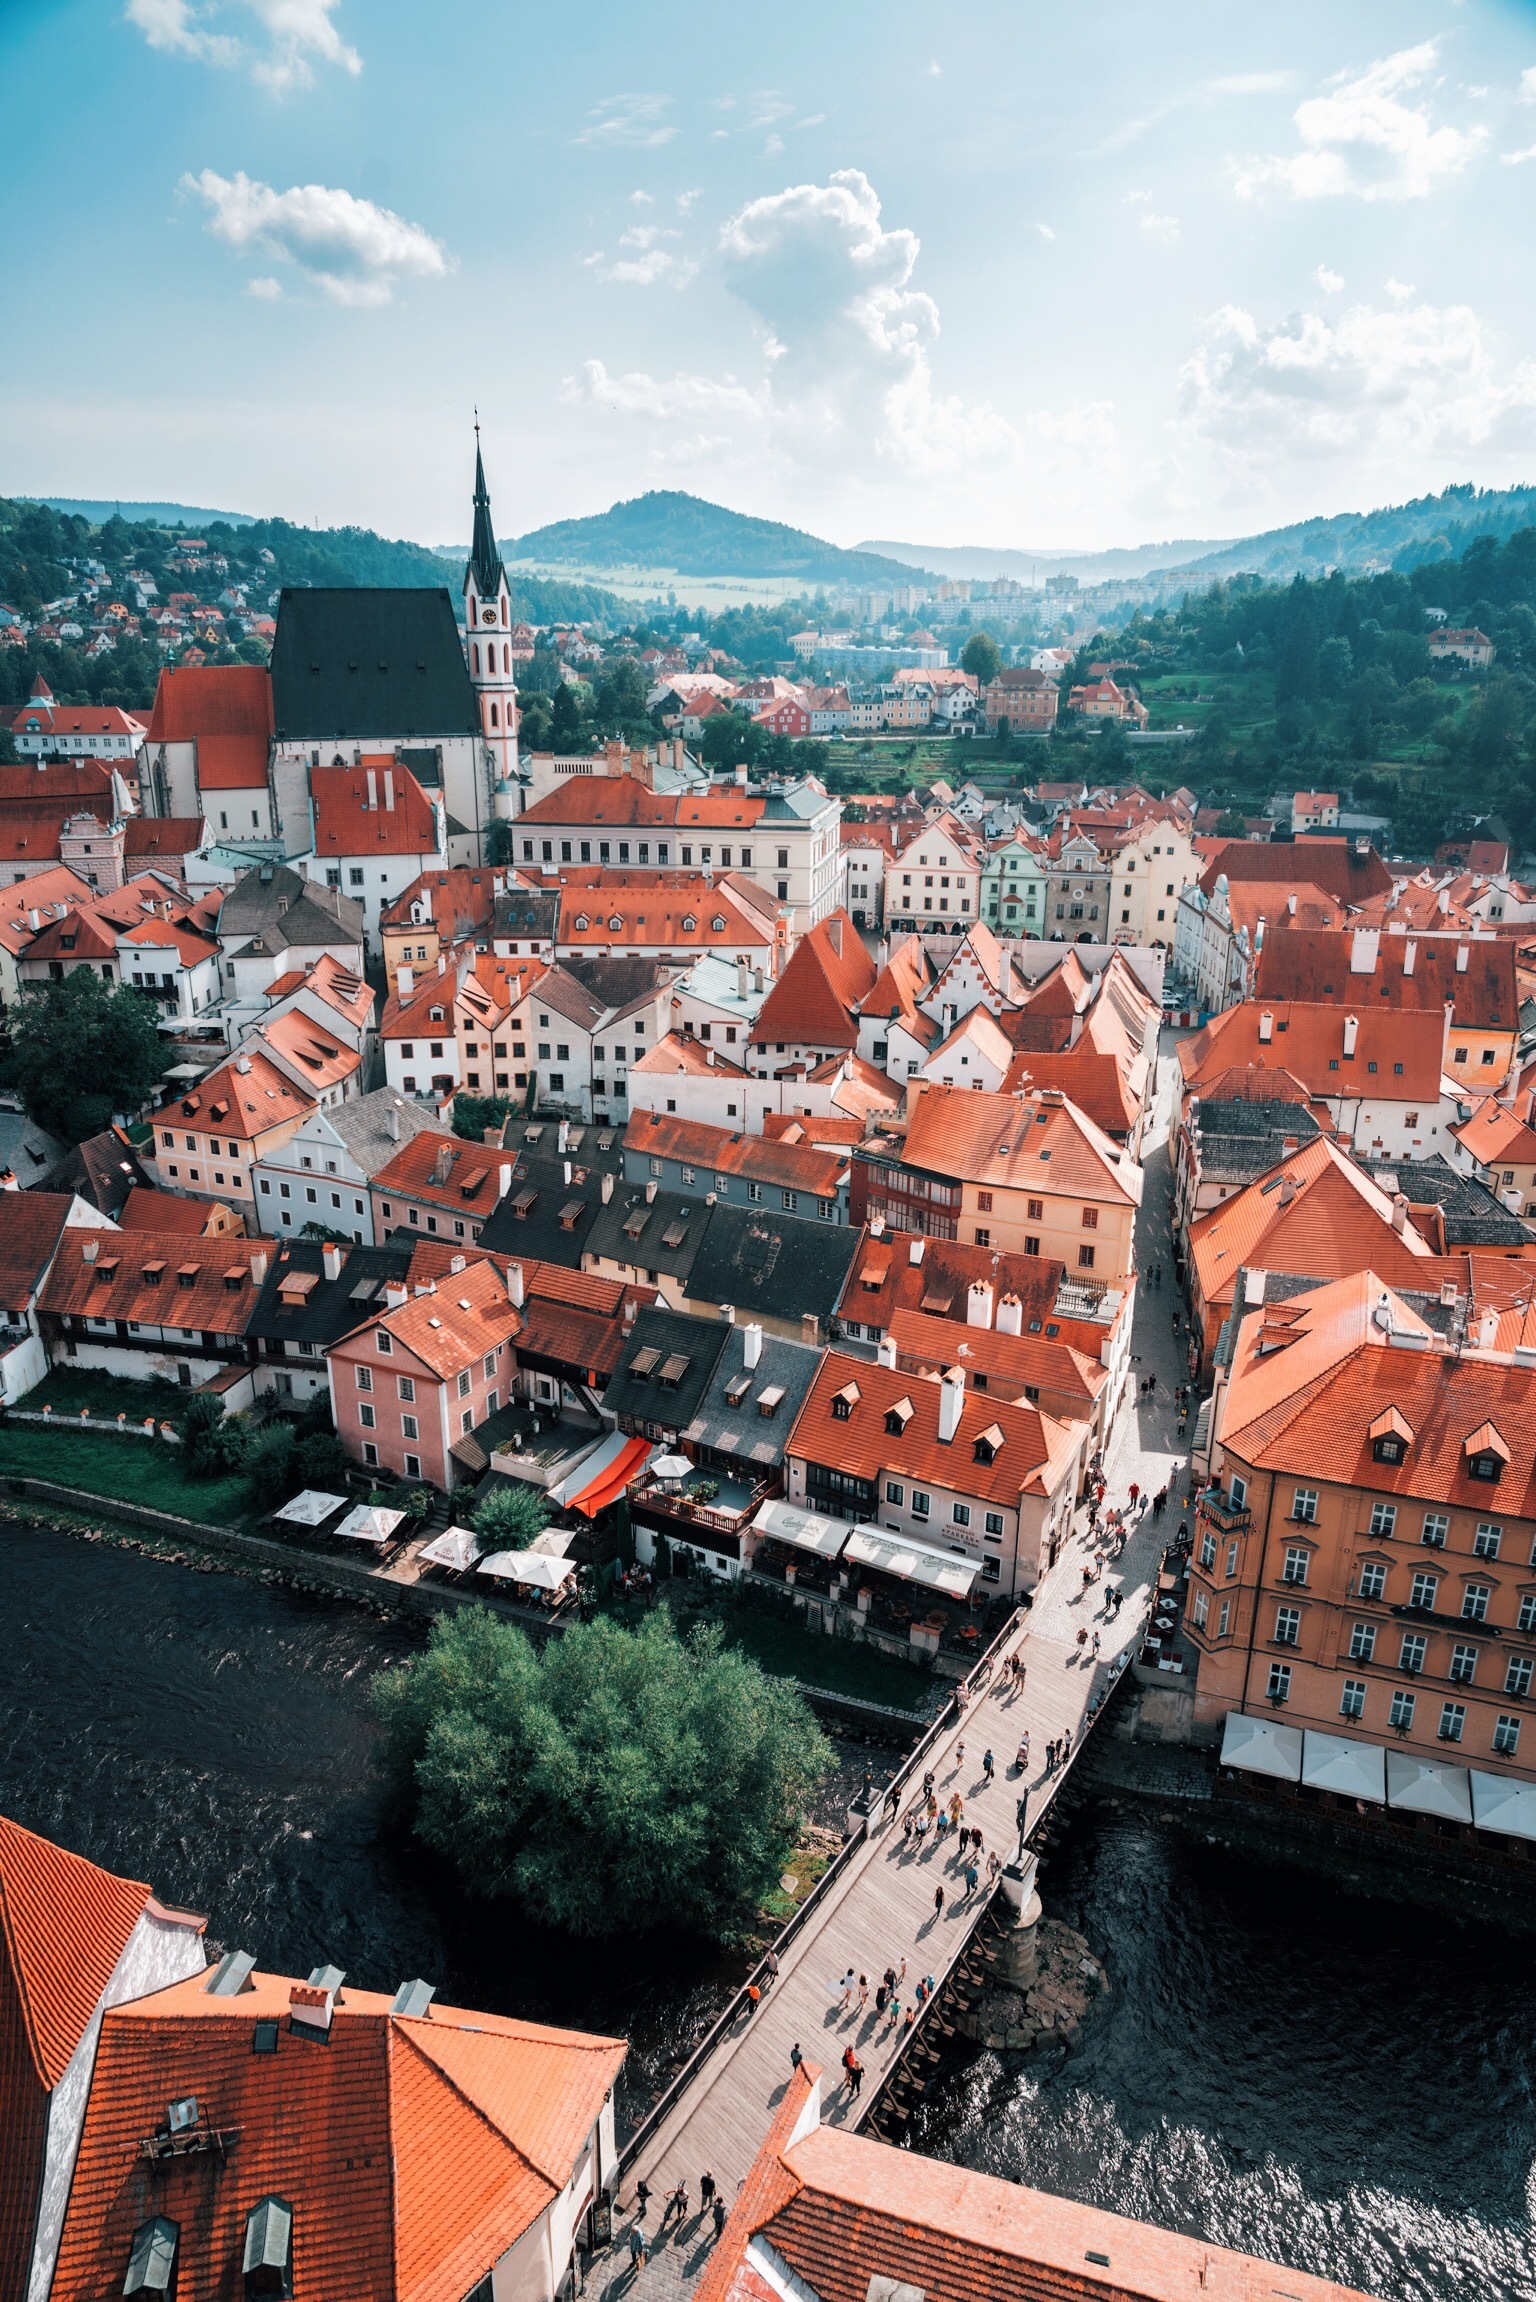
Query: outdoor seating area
[[452, 1554], [931, 1599], [541, 1576]]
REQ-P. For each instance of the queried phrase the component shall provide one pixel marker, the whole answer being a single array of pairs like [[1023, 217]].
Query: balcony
[[1227, 1517]]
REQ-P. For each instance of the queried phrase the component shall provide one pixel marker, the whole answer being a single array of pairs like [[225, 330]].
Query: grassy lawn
[[131, 1470], [67, 1389]]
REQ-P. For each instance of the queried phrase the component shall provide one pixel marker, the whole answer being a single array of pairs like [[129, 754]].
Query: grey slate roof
[[28, 1150], [646, 1397], [645, 1234], [370, 662], [782, 1266], [332, 1307], [1473, 1216], [103, 1170], [363, 1125], [738, 1426], [539, 1166], [279, 907], [1241, 1141], [529, 915]]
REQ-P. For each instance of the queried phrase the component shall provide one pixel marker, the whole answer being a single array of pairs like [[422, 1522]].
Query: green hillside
[[670, 530]]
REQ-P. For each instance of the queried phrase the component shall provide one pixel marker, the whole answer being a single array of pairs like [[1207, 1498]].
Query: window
[[413, 1466], [1485, 1543], [789, 1201], [1526, 1620], [1231, 1560], [921, 1503], [895, 1492], [1208, 1549], [1279, 1688], [1287, 1626], [1383, 1520], [1362, 1643], [1085, 1258], [1401, 1713], [1414, 1648], [408, 1428], [1373, 1580], [1474, 1602], [367, 1417], [1090, 1218], [960, 1513], [983, 1237], [1035, 1210], [364, 1378], [463, 1382], [1304, 1506], [1453, 1717], [489, 1365], [406, 1387], [983, 1202], [994, 1522], [1352, 1700], [1202, 1609], [382, 1337], [1437, 1525], [1506, 1736], [1224, 1619], [1463, 1666], [1423, 1592], [1297, 1562]]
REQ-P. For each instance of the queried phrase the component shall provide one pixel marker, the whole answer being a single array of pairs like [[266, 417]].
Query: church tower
[[488, 636]]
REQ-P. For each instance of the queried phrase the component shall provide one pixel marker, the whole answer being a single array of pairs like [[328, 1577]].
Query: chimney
[[650, 1194], [835, 935], [877, 1223], [1287, 1190], [1266, 1028], [91, 1250], [442, 1165], [566, 1170], [885, 1351], [310, 2004], [392, 1122], [607, 1189], [242, 1064], [34, 920], [389, 789], [373, 792], [757, 979], [741, 778], [492, 1136], [709, 1057], [1399, 1213], [259, 1267], [330, 1258], [1410, 954], [1488, 1329], [751, 1344], [1443, 901], [515, 1285], [978, 1304], [1351, 1033], [951, 1403], [1461, 959], [1010, 1316], [743, 979], [1291, 1143], [405, 982], [1290, 905]]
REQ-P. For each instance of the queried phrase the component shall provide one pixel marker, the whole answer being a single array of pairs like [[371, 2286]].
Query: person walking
[[771, 1966], [881, 1995], [959, 1756], [972, 1879], [1022, 1761], [901, 1969], [1095, 1648], [795, 2056], [856, 2078], [642, 2200], [706, 2191], [847, 1991], [677, 2198], [754, 1999], [718, 2211], [849, 2059], [863, 1992], [637, 2248], [938, 1902], [988, 1765]]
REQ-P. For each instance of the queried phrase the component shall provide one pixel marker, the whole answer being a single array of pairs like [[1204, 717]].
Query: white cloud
[[685, 200], [1363, 140], [846, 345], [629, 120], [811, 120], [648, 264], [350, 249], [640, 200], [299, 34], [269, 291], [765, 108], [1044, 231], [1527, 90], [935, 70], [1518, 159], [1401, 291], [1330, 282], [772, 147], [1373, 385]]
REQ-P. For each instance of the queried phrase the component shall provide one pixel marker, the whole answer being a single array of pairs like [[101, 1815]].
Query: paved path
[[885, 1910]]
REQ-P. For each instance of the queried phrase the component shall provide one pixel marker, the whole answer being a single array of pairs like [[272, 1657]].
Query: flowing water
[[1342, 2085]]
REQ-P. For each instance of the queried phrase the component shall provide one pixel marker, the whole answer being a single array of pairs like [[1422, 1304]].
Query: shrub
[[509, 1517], [213, 1443]]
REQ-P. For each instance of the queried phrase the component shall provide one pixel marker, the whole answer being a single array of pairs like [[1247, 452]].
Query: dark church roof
[[384, 663], [484, 558]]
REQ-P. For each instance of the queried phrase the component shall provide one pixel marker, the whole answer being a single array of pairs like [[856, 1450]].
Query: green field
[[127, 1470], [67, 1389]]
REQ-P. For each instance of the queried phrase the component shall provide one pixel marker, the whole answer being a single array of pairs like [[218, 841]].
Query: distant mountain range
[[681, 534], [1399, 535], [161, 515]]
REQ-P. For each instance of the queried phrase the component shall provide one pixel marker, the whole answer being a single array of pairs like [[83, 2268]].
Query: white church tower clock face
[[488, 637]]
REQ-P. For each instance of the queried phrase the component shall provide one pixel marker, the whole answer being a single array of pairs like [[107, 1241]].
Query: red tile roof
[[1330, 864], [1002, 1140], [1497, 1137], [220, 700], [347, 823], [812, 1004], [66, 1923], [1031, 1448], [884, 1280], [624, 801], [1409, 971], [459, 1318], [1308, 1041], [244, 1102], [148, 1210], [1009, 1362], [792, 1166], [668, 912], [461, 900], [168, 837], [160, 1278], [413, 2151], [1317, 1215]]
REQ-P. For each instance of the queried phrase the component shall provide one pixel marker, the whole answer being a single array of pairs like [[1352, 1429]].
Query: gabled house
[[324, 1171], [209, 1140], [424, 1369], [151, 1304]]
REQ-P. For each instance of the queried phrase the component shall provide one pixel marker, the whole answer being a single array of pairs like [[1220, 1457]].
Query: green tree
[[612, 1779], [212, 1442], [1296, 663], [82, 1051], [565, 720], [509, 1517], [982, 657]]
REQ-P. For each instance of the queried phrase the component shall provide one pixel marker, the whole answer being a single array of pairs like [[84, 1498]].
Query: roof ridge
[[399, 2023]]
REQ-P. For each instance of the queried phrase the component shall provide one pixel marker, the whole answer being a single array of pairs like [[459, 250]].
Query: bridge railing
[[671, 2095]]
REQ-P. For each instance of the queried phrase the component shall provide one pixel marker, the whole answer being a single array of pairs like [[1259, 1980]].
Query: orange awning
[[609, 1484]]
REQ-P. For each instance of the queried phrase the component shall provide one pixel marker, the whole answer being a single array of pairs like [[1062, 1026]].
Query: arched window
[[506, 657], [493, 716], [474, 657]]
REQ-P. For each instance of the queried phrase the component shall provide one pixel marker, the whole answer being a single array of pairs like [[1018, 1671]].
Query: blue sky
[[1027, 279]]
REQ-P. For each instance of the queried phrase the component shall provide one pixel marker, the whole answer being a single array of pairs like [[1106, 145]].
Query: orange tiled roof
[[444, 1171], [1308, 1041], [462, 900], [1009, 1362], [226, 700], [883, 1280], [66, 1924], [160, 1278], [413, 2151], [145, 1209], [242, 1103], [792, 1166], [812, 1004], [1496, 1136], [669, 913], [624, 800], [31, 1226], [1030, 1451], [1003, 1140], [1315, 1214], [459, 1318], [1329, 864], [1408, 971], [347, 824]]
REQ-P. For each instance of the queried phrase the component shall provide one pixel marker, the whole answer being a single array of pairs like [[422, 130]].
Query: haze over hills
[[162, 515], [667, 529]]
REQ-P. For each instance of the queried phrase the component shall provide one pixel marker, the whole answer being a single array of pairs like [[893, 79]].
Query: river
[[1348, 2086]]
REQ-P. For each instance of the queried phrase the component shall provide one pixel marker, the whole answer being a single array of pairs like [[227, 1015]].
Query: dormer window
[[152, 2257], [844, 1402], [1485, 1453], [898, 1417], [988, 1445], [1391, 1435], [268, 2258]]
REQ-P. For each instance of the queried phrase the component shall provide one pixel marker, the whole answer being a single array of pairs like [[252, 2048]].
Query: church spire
[[484, 558]]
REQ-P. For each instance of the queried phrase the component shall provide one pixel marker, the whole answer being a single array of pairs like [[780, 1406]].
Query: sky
[[1000, 276]]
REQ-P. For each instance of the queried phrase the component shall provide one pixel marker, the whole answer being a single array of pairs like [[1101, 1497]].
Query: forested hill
[[668, 529]]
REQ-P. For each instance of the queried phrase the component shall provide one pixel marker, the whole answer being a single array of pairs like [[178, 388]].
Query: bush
[[320, 1461], [271, 1464], [509, 1517], [616, 1778], [212, 1442]]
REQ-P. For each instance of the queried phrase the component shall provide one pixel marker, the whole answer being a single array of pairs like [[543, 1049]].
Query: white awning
[[536, 1569], [1262, 1746], [1354, 1769], [1425, 1786], [805, 1530], [912, 1562], [589, 1466], [311, 1508], [368, 1523], [457, 1547], [1501, 1803]]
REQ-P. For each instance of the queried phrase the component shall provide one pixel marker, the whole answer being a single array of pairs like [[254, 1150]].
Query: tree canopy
[[614, 1779], [982, 657], [82, 1051]]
